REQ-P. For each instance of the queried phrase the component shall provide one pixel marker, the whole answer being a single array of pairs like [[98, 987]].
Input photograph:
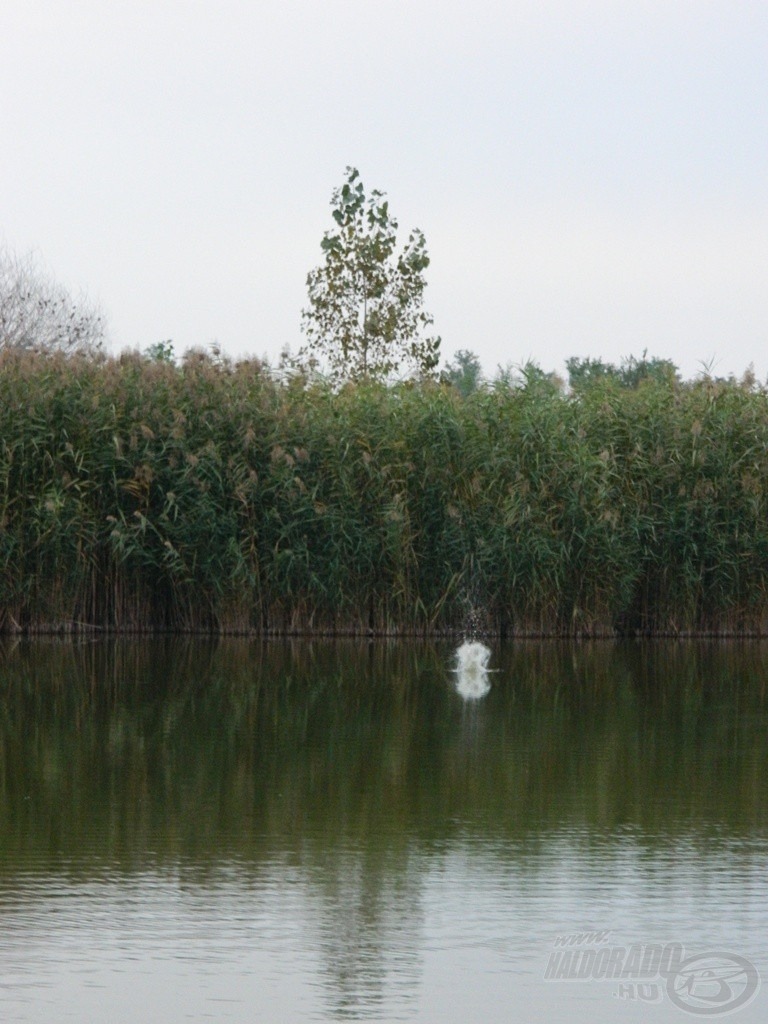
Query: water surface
[[238, 831]]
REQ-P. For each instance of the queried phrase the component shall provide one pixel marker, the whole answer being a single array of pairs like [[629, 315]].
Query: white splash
[[472, 670]]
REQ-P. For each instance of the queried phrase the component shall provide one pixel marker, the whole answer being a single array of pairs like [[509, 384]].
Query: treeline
[[137, 494]]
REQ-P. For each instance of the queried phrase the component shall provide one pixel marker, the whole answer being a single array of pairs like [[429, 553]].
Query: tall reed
[[141, 495]]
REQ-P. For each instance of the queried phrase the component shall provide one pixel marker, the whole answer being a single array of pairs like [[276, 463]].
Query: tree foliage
[[464, 372], [365, 318], [631, 374], [38, 314]]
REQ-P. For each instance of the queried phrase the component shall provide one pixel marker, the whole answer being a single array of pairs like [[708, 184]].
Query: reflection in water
[[325, 831], [472, 670]]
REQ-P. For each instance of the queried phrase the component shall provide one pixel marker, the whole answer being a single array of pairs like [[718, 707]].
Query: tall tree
[[365, 318], [37, 313]]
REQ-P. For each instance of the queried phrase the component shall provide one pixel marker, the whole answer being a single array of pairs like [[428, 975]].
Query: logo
[[713, 984], [709, 984]]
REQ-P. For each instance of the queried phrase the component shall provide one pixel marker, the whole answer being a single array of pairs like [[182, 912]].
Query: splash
[[472, 670]]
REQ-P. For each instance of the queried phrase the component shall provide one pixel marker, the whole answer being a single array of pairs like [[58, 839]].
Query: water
[[318, 832]]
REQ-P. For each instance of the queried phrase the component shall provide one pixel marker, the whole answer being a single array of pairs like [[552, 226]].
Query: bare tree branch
[[38, 314]]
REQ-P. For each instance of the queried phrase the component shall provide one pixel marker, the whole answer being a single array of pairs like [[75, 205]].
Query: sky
[[591, 175]]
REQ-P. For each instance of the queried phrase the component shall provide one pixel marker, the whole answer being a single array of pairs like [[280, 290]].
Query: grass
[[141, 495]]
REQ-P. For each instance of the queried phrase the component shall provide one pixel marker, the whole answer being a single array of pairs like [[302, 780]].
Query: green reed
[[141, 495]]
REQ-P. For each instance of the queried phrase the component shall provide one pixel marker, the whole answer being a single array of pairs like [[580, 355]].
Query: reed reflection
[[203, 750], [355, 768]]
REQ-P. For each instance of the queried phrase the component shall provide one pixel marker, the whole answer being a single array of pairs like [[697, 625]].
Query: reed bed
[[139, 495]]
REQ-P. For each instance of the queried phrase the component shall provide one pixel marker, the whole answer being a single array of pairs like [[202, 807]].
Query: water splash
[[472, 670]]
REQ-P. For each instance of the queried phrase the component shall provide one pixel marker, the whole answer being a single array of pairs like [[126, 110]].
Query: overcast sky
[[591, 175]]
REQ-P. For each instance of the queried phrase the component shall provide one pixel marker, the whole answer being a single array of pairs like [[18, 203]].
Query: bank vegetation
[[138, 494]]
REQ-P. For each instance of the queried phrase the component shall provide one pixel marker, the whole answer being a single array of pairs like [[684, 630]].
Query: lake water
[[289, 832]]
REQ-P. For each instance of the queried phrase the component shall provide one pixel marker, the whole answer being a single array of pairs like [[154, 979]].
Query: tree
[[161, 352], [528, 376], [38, 314], [464, 372], [365, 318], [582, 373]]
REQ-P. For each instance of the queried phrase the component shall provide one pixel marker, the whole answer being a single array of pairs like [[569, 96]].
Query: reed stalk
[[207, 496]]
